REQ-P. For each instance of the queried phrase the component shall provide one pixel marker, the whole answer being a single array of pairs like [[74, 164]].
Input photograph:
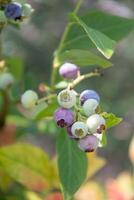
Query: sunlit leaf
[[111, 119]]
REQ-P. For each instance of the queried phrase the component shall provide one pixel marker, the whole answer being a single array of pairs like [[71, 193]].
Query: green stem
[[54, 69]]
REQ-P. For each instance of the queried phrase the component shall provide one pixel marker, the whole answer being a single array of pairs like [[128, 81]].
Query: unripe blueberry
[[79, 129], [13, 10], [90, 106], [69, 71], [29, 99], [88, 143], [70, 132], [67, 98], [64, 117], [89, 94], [96, 123], [27, 10], [6, 79]]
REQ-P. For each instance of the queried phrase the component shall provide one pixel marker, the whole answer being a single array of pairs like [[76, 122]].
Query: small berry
[[67, 98], [64, 117], [29, 99], [90, 107], [6, 79], [27, 10], [88, 143], [13, 10], [70, 132], [69, 71], [96, 123], [79, 129], [89, 94]]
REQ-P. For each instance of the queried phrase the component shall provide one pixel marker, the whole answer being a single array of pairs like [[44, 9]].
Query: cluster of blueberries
[[15, 11], [79, 113]]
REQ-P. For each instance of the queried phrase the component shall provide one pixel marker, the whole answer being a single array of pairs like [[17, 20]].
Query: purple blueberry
[[69, 71], [13, 10], [88, 143], [64, 117], [89, 94]]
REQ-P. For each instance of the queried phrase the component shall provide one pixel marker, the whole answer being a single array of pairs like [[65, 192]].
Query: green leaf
[[104, 139], [81, 58], [111, 119], [103, 43], [114, 27], [72, 165], [16, 67], [28, 165], [47, 111]]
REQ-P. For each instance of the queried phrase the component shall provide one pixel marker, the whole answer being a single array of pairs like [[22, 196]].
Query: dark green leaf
[[81, 58], [111, 119], [72, 165], [103, 43], [114, 27]]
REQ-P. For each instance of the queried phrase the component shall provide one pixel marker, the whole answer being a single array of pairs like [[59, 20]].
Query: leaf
[[103, 43], [47, 111], [81, 58], [28, 165], [111, 119], [114, 27], [72, 165]]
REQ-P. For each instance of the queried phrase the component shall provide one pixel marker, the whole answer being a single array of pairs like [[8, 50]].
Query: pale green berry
[[27, 10], [29, 99], [96, 123], [79, 129], [67, 98], [90, 107], [6, 80]]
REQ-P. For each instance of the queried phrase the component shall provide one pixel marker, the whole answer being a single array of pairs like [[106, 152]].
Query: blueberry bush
[[80, 124]]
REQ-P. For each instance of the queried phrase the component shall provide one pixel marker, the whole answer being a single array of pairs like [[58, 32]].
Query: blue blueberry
[[13, 10], [89, 94]]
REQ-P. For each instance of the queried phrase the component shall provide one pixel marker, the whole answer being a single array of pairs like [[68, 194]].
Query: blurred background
[[35, 44]]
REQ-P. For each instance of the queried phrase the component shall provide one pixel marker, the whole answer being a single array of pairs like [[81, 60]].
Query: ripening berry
[[6, 79], [64, 117], [88, 94], [88, 143], [27, 10], [96, 123], [67, 98], [29, 99], [13, 10], [79, 129], [69, 71], [69, 132], [90, 107]]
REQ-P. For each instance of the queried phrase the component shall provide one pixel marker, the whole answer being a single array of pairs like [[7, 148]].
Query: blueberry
[[29, 99], [89, 94], [90, 107], [69, 71], [96, 123], [6, 79], [67, 98], [88, 143], [79, 129], [13, 10], [64, 117]]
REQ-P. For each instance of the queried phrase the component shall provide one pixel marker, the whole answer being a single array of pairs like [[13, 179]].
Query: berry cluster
[[79, 114], [13, 11]]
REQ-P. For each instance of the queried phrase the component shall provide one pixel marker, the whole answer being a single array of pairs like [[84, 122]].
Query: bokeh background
[[35, 44]]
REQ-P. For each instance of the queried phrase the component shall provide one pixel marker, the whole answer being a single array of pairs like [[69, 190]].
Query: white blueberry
[[96, 123], [90, 107], [67, 98], [6, 79], [79, 129], [29, 99]]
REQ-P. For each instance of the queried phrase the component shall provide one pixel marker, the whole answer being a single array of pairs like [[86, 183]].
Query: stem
[[54, 69], [81, 78], [78, 5], [52, 96]]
